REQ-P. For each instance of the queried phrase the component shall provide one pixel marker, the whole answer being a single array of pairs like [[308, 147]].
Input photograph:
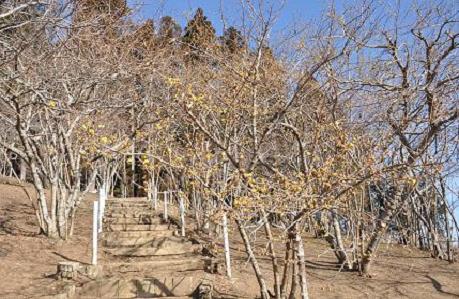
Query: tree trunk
[[294, 287], [261, 281], [47, 227], [22, 170], [287, 265], [61, 217], [339, 246], [72, 222], [269, 235], [377, 235], [323, 224], [299, 248]]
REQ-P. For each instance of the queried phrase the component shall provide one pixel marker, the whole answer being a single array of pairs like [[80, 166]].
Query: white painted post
[[155, 196], [196, 210], [94, 232], [166, 195], [106, 189], [227, 247], [182, 215], [149, 191], [102, 197]]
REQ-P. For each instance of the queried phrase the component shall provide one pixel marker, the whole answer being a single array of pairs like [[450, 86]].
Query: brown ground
[[27, 261], [399, 273]]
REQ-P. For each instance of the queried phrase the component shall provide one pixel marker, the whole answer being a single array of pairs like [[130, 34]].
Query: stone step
[[162, 286], [123, 206], [128, 214], [126, 199], [143, 242], [132, 210], [165, 248], [128, 204], [168, 285], [133, 220], [137, 234], [135, 227], [160, 264]]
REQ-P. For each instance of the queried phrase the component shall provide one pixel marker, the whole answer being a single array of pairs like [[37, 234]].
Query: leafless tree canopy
[[346, 128]]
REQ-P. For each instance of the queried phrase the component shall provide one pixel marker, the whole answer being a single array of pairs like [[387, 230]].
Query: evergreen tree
[[144, 39], [232, 40], [89, 9], [169, 30], [199, 35]]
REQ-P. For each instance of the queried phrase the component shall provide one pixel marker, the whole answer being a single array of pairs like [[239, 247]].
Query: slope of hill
[[28, 261]]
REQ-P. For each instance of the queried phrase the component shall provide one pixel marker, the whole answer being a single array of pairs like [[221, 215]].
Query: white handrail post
[[182, 215], [94, 231], [102, 197], [155, 196], [227, 247], [166, 195]]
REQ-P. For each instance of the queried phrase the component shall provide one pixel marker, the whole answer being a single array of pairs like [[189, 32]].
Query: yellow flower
[[173, 81], [52, 104]]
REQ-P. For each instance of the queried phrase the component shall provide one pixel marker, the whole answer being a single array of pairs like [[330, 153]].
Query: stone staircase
[[145, 256]]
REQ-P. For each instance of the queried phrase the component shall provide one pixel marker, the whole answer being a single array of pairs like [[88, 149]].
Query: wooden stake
[[227, 246], [155, 196], [182, 215], [101, 208], [94, 232], [166, 195]]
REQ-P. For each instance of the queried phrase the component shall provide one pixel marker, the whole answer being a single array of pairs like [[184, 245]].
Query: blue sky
[[293, 11]]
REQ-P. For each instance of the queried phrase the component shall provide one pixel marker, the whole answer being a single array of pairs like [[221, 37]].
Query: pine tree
[[89, 9], [169, 30], [144, 39], [232, 40], [199, 35]]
